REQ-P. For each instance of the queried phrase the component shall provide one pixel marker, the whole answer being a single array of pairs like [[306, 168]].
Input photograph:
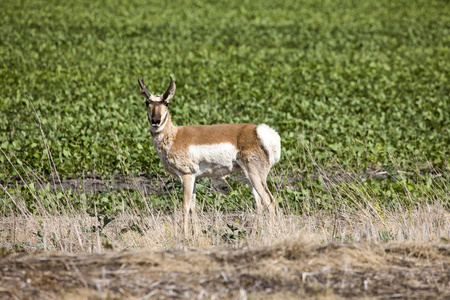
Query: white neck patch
[[158, 138]]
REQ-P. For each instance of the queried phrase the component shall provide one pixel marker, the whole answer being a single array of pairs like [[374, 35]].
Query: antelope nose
[[156, 122]]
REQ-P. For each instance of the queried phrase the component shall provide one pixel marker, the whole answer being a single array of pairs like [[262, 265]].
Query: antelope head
[[157, 105]]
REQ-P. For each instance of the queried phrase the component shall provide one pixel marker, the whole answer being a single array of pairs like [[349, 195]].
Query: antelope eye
[[166, 104]]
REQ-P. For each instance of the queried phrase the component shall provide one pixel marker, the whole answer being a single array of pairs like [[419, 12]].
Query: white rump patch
[[213, 160], [270, 141]]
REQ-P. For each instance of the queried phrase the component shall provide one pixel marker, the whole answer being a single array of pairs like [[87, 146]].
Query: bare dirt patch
[[149, 184], [290, 269], [153, 184]]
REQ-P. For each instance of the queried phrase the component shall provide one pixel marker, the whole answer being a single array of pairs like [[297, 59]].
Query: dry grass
[[82, 233], [299, 267], [326, 256]]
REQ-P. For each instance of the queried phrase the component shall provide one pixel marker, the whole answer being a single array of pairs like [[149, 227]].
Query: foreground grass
[[330, 201], [86, 234], [338, 233]]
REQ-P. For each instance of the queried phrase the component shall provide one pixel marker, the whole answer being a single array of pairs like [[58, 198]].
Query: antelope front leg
[[188, 188], [193, 210]]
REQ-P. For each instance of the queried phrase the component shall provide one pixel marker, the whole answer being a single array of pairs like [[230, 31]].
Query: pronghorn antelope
[[211, 151]]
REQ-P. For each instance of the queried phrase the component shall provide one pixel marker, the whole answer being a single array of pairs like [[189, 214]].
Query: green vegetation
[[349, 85], [360, 78]]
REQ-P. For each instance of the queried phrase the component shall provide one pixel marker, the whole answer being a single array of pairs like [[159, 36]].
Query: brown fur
[[241, 136]]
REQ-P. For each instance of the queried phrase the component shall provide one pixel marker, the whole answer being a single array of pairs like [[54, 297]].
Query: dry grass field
[[297, 268], [233, 257]]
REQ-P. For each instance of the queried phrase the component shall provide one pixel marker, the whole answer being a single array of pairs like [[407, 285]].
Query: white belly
[[213, 160]]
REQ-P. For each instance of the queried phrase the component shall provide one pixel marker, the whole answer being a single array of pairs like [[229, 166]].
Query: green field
[[350, 86], [358, 79]]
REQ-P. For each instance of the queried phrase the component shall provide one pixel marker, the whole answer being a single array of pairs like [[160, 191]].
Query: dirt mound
[[292, 269]]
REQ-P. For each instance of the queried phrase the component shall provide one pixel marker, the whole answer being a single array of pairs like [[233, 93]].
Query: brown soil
[[152, 184], [148, 184], [292, 269]]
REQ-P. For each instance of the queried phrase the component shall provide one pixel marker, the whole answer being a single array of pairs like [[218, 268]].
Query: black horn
[[144, 90], [170, 91]]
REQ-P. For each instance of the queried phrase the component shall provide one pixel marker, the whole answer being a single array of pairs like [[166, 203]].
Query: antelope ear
[[144, 91], [170, 91]]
